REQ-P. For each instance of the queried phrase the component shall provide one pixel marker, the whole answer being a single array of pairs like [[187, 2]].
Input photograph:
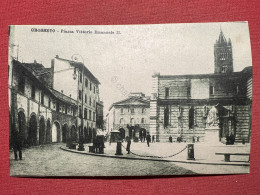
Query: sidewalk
[[204, 154]]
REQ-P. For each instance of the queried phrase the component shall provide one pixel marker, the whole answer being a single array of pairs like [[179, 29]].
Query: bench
[[228, 154]]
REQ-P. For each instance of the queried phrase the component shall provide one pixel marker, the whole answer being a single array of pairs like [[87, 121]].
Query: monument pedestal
[[212, 136]]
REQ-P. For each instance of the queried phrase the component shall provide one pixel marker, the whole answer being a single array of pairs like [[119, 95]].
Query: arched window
[[142, 120], [191, 118], [121, 121]]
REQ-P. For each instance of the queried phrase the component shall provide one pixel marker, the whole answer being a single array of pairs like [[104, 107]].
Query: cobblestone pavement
[[50, 160]]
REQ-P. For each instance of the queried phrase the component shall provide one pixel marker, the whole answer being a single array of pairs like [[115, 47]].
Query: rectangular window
[[33, 92], [80, 112], [21, 84], [90, 86], [80, 94], [86, 82], [237, 89], [89, 115], [166, 116], [85, 98], [132, 110], [42, 98], [80, 77], [90, 101], [66, 109], [94, 89], [211, 90], [57, 107], [188, 91], [166, 92], [94, 116], [122, 111], [85, 113]]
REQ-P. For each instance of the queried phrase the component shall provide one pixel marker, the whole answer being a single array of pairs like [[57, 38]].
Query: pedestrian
[[128, 144], [148, 139], [170, 139], [153, 139], [141, 138], [17, 145]]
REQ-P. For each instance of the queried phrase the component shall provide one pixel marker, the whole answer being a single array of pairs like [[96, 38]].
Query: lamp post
[[75, 59]]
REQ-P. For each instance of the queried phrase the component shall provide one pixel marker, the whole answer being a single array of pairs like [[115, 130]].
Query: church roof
[[132, 101]]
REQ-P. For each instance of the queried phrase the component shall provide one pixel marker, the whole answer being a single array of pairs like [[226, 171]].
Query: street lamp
[[74, 58]]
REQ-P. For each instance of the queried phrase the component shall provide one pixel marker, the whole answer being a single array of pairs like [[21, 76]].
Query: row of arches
[[43, 133]]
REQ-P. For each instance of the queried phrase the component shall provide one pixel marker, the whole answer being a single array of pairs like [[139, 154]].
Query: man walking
[[148, 139], [128, 144], [17, 145]]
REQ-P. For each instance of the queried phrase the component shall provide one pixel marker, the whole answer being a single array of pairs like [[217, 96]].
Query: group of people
[[148, 140]]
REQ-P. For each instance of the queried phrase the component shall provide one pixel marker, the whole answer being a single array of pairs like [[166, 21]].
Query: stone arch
[[41, 131], [48, 132], [73, 132], [122, 133], [55, 137], [65, 130], [142, 133], [32, 133]]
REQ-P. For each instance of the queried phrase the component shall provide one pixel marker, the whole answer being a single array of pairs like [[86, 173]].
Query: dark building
[[206, 106]]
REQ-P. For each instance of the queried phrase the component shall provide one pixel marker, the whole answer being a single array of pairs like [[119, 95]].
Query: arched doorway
[[64, 133], [41, 131], [21, 124], [73, 133], [48, 132], [55, 132], [142, 133], [122, 133], [32, 135]]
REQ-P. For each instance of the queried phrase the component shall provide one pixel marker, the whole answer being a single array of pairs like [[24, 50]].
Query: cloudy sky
[[125, 62]]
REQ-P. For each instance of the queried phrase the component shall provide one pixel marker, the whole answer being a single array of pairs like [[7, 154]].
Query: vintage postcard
[[130, 100]]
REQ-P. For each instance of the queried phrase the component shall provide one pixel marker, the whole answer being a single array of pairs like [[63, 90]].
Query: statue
[[213, 118]]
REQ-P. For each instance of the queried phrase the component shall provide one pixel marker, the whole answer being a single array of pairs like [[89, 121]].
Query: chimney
[[57, 56]]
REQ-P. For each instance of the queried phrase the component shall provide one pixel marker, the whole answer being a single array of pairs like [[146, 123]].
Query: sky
[[125, 61]]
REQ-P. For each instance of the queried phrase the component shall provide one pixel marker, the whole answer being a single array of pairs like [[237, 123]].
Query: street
[[50, 160]]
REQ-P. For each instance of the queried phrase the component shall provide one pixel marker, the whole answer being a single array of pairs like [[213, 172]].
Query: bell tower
[[223, 55]]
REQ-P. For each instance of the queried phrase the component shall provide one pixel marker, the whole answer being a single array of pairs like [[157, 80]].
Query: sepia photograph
[[129, 100]]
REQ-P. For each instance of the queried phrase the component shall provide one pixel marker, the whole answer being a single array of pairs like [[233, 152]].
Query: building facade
[[42, 115], [130, 116], [189, 106], [83, 87]]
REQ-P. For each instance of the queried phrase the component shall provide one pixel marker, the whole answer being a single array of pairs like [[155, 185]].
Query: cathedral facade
[[190, 106]]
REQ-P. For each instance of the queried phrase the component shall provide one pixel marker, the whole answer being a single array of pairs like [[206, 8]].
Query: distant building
[[190, 106], [130, 116]]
